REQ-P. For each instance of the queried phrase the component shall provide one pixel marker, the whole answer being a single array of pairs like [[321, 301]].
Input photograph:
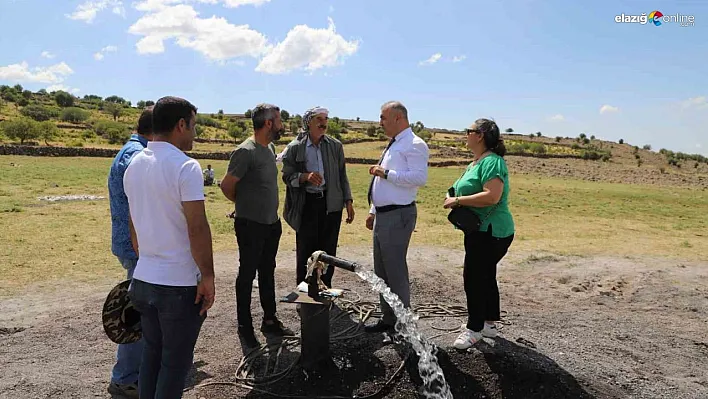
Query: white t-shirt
[[156, 183]]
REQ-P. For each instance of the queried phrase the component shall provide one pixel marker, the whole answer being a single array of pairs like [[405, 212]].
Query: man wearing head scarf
[[317, 190]]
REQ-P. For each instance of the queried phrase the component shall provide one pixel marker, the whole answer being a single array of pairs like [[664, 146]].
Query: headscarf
[[309, 114]]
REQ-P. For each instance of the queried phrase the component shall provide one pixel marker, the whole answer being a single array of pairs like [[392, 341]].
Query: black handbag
[[465, 218]]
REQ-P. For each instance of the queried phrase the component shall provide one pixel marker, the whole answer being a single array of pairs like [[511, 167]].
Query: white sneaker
[[489, 330], [467, 339]]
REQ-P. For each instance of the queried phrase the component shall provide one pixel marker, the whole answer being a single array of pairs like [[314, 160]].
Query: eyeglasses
[[470, 131]]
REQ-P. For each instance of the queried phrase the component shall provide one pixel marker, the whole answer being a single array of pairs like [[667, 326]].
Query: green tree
[[284, 115], [22, 102], [647, 147], [236, 131], [248, 113], [149, 103], [417, 127], [64, 99], [509, 130], [18, 88], [199, 130], [334, 129], [20, 129], [582, 136], [113, 109], [27, 94], [220, 114], [140, 104], [538, 134], [621, 141], [48, 131]]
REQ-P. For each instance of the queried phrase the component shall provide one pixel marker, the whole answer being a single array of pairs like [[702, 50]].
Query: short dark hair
[[145, 122], [262, 113], [492, 137], [168, 111]]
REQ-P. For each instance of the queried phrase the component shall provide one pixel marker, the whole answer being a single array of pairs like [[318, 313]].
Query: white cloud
[[308, 48], [695, 102], [557, 118], [458, 58], [237, 3], [88, 10], [47, 54], [157, 5], [608, 109], [22, 73], [432, 60], [214, 37], [101, 54], [62, 87]]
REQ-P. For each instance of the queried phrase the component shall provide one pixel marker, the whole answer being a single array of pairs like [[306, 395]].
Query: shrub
[[558, 139], [38, 112], [74, 115], [537, 148], [647, 147], [621, 141], [207, 121]]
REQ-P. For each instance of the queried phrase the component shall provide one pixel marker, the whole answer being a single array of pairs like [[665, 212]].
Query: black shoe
[[248, 338], [276, 327], [123, 391], [379, 327]]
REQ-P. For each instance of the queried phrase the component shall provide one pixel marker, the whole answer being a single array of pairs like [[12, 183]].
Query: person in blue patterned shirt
[[124, 376]]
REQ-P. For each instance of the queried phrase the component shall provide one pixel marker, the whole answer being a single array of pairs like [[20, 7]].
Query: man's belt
[[319, 194], [389, 208]]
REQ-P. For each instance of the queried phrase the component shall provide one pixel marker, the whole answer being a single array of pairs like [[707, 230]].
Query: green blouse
[[472, 182]]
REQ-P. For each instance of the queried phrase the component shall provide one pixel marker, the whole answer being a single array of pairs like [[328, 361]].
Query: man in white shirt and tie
[[394, 185]]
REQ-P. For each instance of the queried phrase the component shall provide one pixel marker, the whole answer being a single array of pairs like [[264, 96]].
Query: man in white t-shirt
[[173, 282]]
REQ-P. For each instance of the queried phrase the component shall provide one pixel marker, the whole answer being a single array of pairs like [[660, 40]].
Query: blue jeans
[[128, 356], [170, 323]]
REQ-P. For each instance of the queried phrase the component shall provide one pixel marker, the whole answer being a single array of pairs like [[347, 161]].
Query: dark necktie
[[371, 184]]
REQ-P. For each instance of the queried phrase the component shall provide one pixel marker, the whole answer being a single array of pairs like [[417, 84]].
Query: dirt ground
[[573, 328]]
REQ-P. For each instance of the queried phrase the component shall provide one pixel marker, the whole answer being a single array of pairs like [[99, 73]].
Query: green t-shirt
[[257, 190], [472, 182]]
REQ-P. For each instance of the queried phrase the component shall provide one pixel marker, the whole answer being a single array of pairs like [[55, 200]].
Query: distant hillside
[[61, 119]]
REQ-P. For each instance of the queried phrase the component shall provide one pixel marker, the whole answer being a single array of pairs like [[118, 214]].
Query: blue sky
[[532, 65]]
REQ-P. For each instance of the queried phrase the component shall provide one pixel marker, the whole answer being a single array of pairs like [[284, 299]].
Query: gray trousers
[[392, 234]]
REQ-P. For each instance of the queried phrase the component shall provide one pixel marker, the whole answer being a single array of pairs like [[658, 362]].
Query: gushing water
[[433, 378]]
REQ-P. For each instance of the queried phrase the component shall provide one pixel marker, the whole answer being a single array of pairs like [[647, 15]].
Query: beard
[[275, 134]]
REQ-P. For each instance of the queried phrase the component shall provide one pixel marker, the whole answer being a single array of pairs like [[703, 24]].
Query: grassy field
[[41, 241]]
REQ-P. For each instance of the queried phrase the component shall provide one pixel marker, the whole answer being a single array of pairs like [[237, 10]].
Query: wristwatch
[[386, 174], [457, 201]]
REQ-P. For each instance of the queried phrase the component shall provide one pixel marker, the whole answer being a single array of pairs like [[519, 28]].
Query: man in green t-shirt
[[252, 183]]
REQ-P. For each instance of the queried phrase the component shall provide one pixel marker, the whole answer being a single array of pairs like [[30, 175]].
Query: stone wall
[[45, 151]]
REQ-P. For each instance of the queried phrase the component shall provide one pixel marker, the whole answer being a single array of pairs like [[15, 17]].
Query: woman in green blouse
[[484, 188]]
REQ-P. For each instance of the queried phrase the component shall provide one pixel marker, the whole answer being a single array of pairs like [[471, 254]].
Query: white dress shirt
[[407, 164]]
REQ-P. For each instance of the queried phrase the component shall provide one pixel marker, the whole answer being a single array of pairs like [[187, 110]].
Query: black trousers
[[319, 231], [257, 248], [482, 254]]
